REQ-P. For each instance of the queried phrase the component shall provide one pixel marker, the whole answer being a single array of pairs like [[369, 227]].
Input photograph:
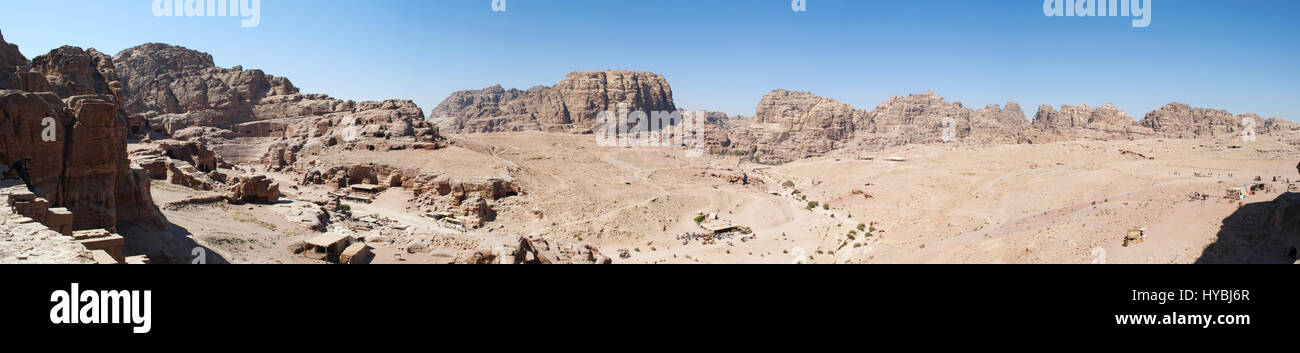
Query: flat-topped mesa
[[571, 105], [1106, 122], [1178, 120]]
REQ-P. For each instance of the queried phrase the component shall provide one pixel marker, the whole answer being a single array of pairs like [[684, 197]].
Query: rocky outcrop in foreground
[[68, 120], [571, 105]]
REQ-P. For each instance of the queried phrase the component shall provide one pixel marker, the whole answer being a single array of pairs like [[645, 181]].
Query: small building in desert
[[327, 246], [367, 188]]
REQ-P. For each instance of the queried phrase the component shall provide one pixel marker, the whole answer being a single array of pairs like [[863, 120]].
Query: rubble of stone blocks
[[28, 209]]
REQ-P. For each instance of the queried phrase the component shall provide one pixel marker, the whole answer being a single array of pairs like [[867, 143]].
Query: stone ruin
[[41, 234]]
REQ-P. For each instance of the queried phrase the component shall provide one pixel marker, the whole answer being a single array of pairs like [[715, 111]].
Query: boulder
[[257, 189]]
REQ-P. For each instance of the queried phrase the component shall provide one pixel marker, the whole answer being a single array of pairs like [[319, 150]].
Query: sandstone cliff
[[181, 92], [84, 166], [1177, 120], [792, 125], [1106, 122], [10, 60], [1276, 124], [571, 105], [1001, 123]]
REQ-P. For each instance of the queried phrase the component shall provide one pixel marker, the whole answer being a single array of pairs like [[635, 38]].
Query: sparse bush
[[699, 219], [862, 227]]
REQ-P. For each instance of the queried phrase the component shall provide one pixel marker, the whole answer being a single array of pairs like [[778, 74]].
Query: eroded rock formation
[[792, 125], [10, 61], [1102, 123], [75, 134], [471, 200], [571, 105], [256, 188], [181, 92]]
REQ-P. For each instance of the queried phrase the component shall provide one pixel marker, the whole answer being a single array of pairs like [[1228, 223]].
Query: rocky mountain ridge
[[571, 105]]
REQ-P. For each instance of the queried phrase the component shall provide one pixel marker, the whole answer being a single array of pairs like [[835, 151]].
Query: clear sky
[[1240, 55]]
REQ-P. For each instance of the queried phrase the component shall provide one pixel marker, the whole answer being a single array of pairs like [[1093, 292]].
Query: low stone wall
[[33, 232]]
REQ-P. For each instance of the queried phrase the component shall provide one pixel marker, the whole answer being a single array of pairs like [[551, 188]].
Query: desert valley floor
[[157, 155], [1066, 202]]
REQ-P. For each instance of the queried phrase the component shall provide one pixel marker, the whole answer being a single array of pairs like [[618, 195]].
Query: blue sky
[[1239, 55]]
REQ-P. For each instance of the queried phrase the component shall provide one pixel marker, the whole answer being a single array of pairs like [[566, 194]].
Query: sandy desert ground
[[1068, 202]]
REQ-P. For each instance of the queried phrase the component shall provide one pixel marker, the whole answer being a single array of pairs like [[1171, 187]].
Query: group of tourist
[[706, 238], [710, 239]]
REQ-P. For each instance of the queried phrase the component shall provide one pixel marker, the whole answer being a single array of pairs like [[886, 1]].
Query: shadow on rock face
[[1258, 233]]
